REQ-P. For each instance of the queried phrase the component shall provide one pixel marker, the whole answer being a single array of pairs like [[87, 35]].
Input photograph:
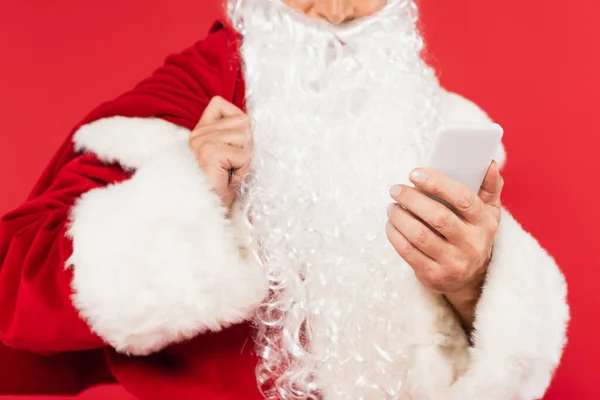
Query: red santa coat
[[122, 266], [45, 345]]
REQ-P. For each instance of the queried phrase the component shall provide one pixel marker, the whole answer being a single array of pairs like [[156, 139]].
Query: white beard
[[335, 126]]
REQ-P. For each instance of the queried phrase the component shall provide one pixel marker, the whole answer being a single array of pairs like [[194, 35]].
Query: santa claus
[[220, 231]]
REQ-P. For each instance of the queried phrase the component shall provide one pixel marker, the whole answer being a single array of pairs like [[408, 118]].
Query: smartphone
[[464, 151]]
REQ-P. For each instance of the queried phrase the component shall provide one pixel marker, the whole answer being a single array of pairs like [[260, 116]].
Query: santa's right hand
[[222, 144]]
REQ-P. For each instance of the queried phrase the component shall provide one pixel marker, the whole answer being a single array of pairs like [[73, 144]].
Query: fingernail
[[418, 176], [395, 190], [391, 208]]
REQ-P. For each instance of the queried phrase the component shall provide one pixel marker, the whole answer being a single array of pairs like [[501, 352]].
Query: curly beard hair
[[339, 115]]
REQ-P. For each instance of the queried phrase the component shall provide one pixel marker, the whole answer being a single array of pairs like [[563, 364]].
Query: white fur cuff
[[521, 321], [155, 259]]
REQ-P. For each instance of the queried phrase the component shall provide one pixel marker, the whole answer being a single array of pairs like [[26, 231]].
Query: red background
[[531, 64]]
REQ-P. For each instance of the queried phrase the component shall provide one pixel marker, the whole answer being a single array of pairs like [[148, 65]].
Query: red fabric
[[44, 345], [99, 392]]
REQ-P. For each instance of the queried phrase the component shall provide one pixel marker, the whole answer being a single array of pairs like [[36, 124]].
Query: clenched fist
[[222, 143]]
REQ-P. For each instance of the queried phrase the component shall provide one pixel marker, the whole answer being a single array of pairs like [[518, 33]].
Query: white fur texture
[[521, 322], [155, 259], [128, 141]]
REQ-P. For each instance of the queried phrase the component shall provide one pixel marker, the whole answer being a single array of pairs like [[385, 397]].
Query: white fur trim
[[456, 108], [128, 141], [155, 259], [520, 324]]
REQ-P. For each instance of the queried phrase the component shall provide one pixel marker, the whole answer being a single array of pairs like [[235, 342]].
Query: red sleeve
[[36, 312]]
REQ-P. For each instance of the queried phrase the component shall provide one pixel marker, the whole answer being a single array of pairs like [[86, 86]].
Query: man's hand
[[449, 251], [222, 144]]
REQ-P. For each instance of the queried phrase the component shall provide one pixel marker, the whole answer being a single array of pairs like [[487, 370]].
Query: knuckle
[[493, 226], [434, 187], [466, 199], [422, 236], [456, 274], [460, 268], [217, 100], [433, 276], [455, 266], [454, 260], [474, 252], [442, 220], [435, 280]]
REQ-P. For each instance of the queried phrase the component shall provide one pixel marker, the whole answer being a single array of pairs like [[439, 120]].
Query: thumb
[[491, 188]]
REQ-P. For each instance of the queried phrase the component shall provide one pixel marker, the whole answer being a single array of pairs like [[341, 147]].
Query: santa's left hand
[[450, 252]]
